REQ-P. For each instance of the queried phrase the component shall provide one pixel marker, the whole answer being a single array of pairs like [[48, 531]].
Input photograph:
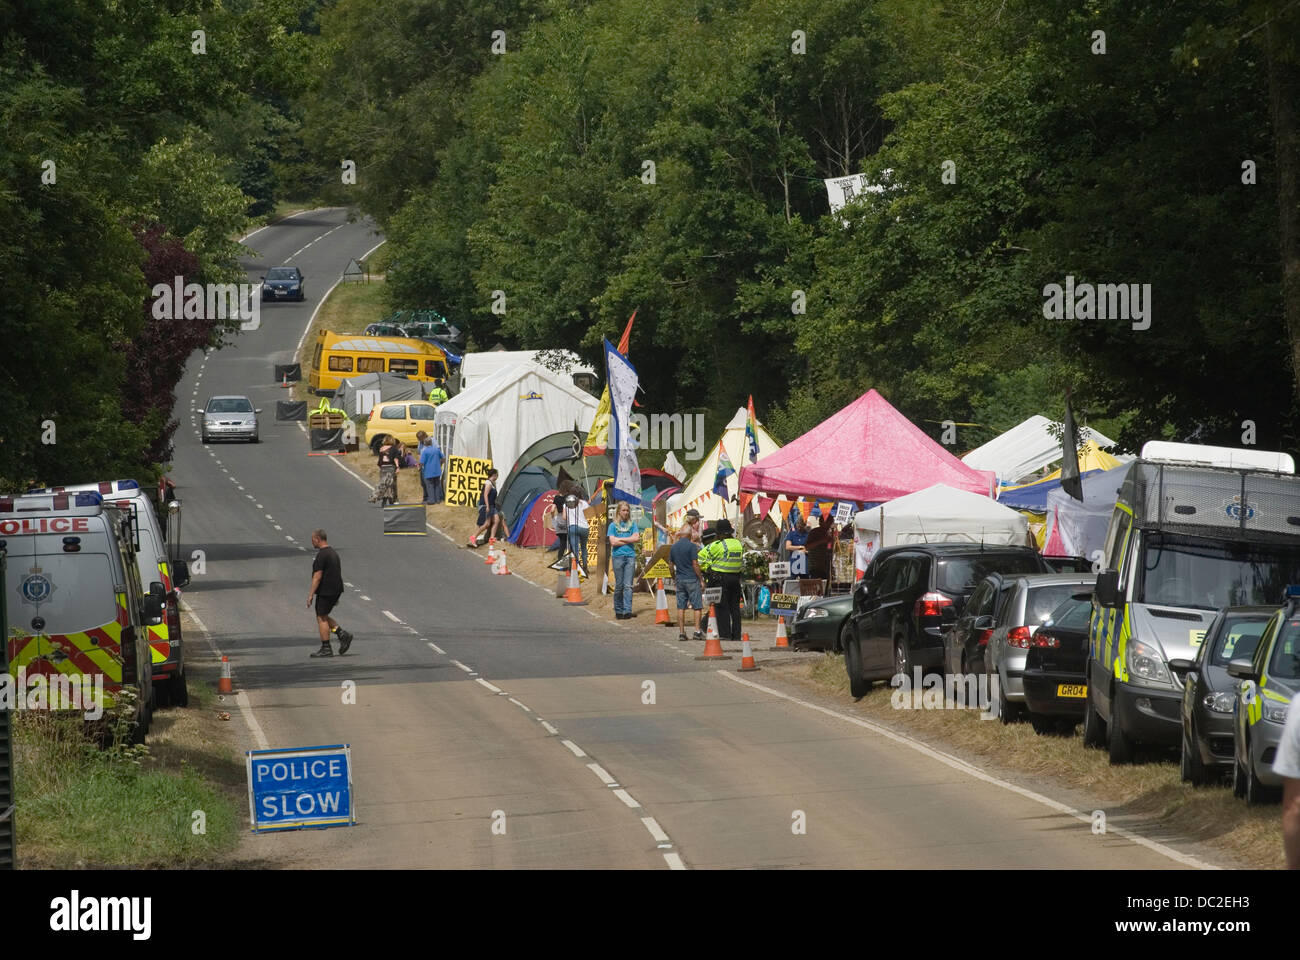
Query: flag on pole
[[751, 431], [598, 432], [1070, 480], [725, 469], [622, 379]]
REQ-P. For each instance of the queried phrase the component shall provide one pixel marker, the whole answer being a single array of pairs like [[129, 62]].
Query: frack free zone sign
[[300, 787]]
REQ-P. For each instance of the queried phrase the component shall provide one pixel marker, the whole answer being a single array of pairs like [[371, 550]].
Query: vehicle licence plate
[[1072, 690]]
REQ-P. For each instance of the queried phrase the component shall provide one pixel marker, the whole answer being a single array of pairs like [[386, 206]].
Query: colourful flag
[[622, 379], [725, 469], [598, 432], [751, 431]]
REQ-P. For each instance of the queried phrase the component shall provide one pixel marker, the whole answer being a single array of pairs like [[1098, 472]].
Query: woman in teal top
[[623, 537]]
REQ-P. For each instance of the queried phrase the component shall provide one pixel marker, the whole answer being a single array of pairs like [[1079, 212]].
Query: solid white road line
[[962, 766], [245, 708], [573, 748]]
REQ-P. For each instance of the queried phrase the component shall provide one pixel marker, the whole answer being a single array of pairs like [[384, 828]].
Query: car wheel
[[842, 641], [374, 444], [858, 686], [1256, 792], [203, 437], [1043, 725], [1190, 766], [1094, 730], [1118, 743], [1238, 778], [1008, 712], [181, 690], [162, 693], [902, 661], [256, 439]]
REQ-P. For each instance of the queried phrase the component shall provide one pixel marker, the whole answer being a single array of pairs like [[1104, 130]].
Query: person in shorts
[[326, 589], [684, 556]]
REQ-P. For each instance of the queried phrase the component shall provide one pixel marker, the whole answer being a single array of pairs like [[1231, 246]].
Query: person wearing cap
[[722, 561], [696, 524]]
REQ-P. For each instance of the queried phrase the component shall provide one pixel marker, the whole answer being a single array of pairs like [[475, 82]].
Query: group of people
[[393, 455]]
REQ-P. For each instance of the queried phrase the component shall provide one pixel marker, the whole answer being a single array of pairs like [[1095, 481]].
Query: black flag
[[1070, 481], [577, 441]]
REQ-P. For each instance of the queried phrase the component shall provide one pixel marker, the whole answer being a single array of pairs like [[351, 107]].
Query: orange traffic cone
[[713, 648], [573, 596], [285, 383], [502, 568], [711, 632], [661, 605], [782, 641], [747, 655], [492, 551], [223, 685]]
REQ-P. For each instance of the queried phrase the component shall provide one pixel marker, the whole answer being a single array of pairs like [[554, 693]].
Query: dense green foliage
[[525, 173]]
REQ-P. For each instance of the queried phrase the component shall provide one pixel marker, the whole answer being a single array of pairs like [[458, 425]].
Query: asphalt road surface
[[482, 702]]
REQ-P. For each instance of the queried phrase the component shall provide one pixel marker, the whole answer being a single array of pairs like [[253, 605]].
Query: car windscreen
[[1071, 614], [281, 273], [1238, 638], [1285, 662], [1182, 571], [1043, 601], [960, 574], [230, 406]]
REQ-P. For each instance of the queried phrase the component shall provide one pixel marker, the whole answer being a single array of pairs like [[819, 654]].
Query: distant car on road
[[230, 418], [283, 283], [820, 624], [1210, 695]]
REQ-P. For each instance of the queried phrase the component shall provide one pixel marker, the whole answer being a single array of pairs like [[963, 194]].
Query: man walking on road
[[326, 588]]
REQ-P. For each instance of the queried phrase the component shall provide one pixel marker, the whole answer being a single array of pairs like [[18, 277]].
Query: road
[[483, 702]]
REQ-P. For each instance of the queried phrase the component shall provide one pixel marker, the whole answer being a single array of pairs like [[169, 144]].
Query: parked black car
[[821, 623], [1056, 667], [909, 594], [1210, 695], [965, 642]]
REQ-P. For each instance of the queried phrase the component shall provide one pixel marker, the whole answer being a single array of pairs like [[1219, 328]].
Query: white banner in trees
[[842, 190]]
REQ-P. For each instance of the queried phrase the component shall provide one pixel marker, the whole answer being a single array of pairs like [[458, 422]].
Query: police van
[[77, 613], [162, 573], [1195, 529]]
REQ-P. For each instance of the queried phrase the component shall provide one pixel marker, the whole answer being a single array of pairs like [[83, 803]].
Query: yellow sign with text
[[465, 477]]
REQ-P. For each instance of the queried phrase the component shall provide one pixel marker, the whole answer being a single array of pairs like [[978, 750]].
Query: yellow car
[[400, 418]]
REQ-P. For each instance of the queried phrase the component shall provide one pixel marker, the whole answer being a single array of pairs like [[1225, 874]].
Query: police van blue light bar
[[88, 499]]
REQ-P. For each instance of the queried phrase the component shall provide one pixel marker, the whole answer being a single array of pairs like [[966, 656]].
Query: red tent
[[867, 452], [532, 532]]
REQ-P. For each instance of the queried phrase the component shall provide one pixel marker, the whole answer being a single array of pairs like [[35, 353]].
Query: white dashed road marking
[[573, 748]]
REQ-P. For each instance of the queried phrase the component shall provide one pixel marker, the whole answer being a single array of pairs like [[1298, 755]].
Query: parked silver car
[[1029, 600], [229, 418]]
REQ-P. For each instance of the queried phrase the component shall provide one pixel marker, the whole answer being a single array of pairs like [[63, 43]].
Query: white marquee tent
[[937, 514], [1023, 450], [509, 410], [477, 367]]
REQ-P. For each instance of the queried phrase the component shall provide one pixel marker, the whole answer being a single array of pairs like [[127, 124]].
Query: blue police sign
[[300, 787]]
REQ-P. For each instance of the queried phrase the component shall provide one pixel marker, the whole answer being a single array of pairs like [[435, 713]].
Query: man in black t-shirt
[[326, 588]]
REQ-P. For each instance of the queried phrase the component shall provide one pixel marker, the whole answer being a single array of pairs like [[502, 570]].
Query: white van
[[77, 613], [162, 572]]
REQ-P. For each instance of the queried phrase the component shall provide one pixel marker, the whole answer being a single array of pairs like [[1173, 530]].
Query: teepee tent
[[698, 492]]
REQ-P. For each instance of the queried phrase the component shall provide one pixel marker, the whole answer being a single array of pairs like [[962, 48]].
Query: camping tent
[[1079, 529], [529, 530], [528, 483], [553, 453], [476, 367], [389, 387], [697, 492], [940, 513], [504, 413], [867, 452], [1025, 449]]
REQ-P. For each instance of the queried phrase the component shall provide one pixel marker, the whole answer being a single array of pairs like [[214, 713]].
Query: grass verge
[[82, 807], [1151, 789]]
